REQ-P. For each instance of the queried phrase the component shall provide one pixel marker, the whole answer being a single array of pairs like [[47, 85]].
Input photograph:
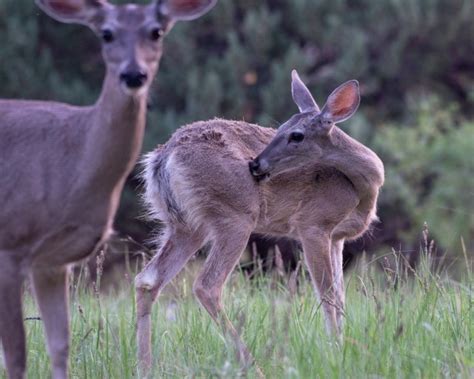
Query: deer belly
[[277, 230], [69, 244]]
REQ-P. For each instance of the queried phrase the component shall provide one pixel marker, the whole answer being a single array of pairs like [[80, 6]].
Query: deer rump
[[201, 175]]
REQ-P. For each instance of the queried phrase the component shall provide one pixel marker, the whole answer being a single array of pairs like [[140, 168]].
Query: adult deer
[[63, 167], [311, 182]]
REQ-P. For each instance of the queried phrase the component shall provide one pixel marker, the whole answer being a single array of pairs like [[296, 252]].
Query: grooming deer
[[310, 182], [63, 167]]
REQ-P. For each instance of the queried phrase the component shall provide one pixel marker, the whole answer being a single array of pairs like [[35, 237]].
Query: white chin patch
[[140, 91]]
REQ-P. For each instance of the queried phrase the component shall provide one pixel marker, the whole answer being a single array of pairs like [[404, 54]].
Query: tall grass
[[399, 324]]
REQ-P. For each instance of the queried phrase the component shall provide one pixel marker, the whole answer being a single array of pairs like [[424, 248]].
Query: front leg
[[317, 253], [337, 247], [12, 331], [51, 292]]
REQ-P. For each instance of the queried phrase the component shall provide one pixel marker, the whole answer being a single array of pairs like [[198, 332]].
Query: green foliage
[[236, 62], [418, 327], [430, 166], [391, 47]]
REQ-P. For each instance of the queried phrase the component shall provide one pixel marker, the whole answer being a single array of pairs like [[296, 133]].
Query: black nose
[[133, 79], [254, 166]]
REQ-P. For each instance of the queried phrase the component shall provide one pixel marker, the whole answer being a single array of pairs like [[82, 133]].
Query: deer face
[[306, 136], [131, 34]]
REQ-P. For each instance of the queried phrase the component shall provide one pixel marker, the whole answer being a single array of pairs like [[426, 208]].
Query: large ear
[[342, 102], [73, 11], [184, 10], [301, 95]]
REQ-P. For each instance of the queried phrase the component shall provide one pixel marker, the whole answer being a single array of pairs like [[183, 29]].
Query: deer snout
[[259, 169], [254, 167], [134, 79]]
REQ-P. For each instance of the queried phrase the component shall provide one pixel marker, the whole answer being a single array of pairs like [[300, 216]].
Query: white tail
[[63, 167], [311, 182]]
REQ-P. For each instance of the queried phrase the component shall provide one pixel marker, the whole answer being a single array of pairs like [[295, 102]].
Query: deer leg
[[353, 226], [51, 293], [317, 254], [223, 257], [177, 249], [336, 260], [12, 331]]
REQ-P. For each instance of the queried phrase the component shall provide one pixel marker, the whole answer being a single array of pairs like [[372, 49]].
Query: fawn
[[310, 182]]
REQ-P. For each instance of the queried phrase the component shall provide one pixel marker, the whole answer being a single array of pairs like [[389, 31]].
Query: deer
[[63, 167], [309, 182]]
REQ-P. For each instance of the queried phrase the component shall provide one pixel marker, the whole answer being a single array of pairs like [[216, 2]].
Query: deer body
[[84, 157], [309, 182], [224, 148], [63, 167]]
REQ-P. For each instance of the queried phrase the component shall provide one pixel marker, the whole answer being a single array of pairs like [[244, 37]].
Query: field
[[398, 325]]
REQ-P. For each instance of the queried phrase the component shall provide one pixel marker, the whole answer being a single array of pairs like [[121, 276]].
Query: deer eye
[[156, 34], [107, 35], [296, 137]]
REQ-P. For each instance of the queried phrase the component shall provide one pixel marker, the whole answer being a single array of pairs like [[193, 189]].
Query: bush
[[429, 174]]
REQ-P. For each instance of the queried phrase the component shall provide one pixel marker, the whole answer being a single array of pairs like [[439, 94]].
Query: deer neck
[[360, 164], [114, 137]]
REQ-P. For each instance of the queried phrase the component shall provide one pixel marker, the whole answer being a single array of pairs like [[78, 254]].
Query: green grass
[[420, 327]]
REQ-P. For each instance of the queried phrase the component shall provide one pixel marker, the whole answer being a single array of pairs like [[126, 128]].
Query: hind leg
[[178, 247], [12, 331], [225, 253]]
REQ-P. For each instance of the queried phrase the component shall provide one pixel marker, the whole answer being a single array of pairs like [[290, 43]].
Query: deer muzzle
[[259, 169]]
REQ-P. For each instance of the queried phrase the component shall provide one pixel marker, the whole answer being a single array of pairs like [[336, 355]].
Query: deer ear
[[342, 102], [301, 95], [184, 10], [72, 11]]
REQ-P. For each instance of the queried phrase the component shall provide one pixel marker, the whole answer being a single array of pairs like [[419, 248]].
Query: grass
[[420, 326]]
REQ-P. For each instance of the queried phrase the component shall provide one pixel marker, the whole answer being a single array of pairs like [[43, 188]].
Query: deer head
[[306, 136], [131, 34]]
